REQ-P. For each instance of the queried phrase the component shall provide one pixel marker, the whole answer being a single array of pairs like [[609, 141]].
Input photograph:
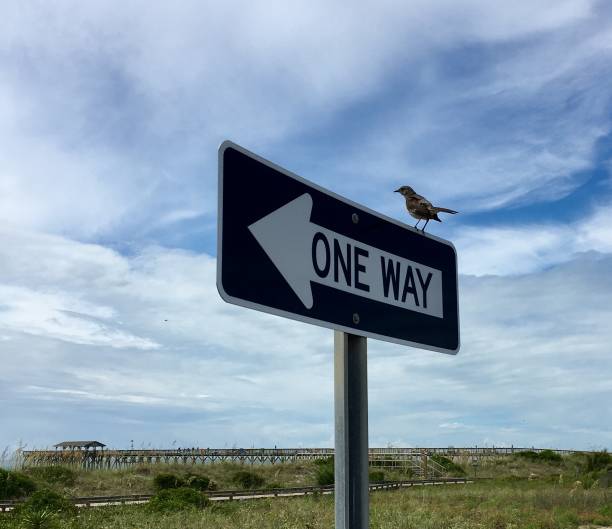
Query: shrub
[[325, 476], [167, 481], [54, 475], [39, 520], [172, 500], [47, 500], [598, 461], [449, 466], [606, 478], [198, 482], [325, 471], [547, 456], [248, 480], [377, 476], [550, 456], [15, 485]]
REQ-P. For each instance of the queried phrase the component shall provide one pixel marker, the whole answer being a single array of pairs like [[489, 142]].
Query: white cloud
[[533, 369], [596, 231], [523, 249], [111, 114], [520, 126], [55, 315], [453, 425], [45, 280]]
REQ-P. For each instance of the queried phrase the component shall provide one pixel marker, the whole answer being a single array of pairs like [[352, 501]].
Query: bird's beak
[[397, 190]]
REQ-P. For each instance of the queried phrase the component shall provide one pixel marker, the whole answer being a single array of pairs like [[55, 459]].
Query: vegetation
[[248, 480], [558, 494], [179, 499], [15, 485], [376, 476], [54, 475], [10, 459], [39, 520], [165, 480], [147, 479], [547, 456], [598, 461], [45, 500], [200, 483], [325, 471], [142, 479], [490, 504], [451, 468], [589, 468]]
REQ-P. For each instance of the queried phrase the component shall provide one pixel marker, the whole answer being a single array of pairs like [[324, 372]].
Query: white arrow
[[304, 252]]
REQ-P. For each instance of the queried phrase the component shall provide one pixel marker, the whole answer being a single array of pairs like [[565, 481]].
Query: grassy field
[[140, 479], [490, 505], [526, 492]]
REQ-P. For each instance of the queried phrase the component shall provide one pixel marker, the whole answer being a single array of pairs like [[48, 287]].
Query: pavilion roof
[[79, 444]]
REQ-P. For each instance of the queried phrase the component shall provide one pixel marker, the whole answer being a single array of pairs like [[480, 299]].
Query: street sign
[[289, 247]]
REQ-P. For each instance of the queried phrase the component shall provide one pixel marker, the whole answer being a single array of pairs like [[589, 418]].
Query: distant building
[[79, 445]]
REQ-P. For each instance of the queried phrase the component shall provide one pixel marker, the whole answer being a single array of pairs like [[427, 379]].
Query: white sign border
[[291, 315]]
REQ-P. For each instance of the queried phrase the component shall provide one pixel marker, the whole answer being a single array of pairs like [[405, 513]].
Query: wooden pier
[[414, 458]]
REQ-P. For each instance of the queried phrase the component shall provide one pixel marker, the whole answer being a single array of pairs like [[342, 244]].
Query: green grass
[[15, 484], [546, 455], [451, 468], [140, 479], [548, 500], [485, 505], [179, 499], [222, 476], [568, 469]]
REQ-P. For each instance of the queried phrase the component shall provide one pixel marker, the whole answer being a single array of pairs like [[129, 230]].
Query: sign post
[[351, 434], [288, 247]]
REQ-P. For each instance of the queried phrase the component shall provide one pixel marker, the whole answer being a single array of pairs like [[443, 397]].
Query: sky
[[111, 114]]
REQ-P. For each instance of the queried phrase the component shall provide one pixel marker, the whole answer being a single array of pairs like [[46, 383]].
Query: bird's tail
[[445, 210]]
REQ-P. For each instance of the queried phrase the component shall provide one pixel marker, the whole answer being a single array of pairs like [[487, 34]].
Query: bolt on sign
[[286, 246]]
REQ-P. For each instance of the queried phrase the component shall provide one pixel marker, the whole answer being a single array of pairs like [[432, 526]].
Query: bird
[[420, 208]]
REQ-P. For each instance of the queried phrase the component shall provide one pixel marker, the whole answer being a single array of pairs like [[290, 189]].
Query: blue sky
[[110, 119]]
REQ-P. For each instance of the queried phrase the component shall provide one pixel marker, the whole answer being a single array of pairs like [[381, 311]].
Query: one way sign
[[288, 247]]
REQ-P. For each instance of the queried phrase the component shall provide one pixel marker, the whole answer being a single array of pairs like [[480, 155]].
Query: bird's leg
[[426, 222], [417, 223]]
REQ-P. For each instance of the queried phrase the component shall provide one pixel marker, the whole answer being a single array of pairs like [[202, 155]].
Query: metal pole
[[351, 410]]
